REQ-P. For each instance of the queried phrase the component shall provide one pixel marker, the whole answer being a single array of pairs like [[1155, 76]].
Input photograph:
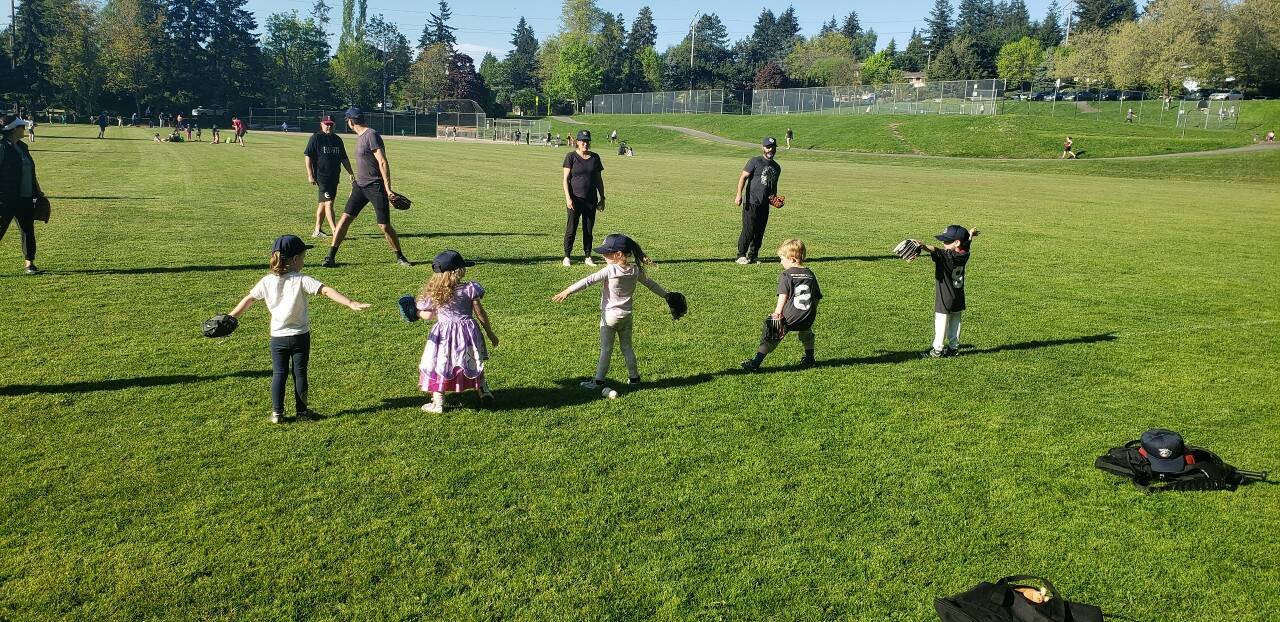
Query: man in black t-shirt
[[760, 181], [325, 157], [797, 306], [949, 263], [102, 125]]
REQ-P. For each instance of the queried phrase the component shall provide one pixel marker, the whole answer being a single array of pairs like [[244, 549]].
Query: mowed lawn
[[141, 480]]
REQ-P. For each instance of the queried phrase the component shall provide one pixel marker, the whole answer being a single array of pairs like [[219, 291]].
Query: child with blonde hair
[[619, 278], [797, 306], [453, 360], [286, 290]]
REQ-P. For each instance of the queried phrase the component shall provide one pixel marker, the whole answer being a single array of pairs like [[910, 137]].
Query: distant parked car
[[1227, 95], [206, 112]]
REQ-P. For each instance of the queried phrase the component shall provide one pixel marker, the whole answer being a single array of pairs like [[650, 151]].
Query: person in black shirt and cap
[[19, 189], [759, 180], [583, 195], [325, 157]]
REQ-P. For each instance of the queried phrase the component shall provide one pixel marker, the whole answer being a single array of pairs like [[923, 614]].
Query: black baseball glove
[[907, 249], [399, 201], [220, 325], [679, 306], [775, 328], [408, 308]]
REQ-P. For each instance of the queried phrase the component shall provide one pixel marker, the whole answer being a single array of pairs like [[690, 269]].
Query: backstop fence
[[407, 123], [973, 97], [711, 101]]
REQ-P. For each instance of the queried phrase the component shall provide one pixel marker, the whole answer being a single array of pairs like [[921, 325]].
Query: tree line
[[133, 54]]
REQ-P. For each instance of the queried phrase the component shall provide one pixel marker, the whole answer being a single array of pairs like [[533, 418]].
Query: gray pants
[[620, 326]]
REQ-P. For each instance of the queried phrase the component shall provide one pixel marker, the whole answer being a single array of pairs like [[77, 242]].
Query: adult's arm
[[742, 183], [568, 194], [35, 179], [384, 169], [599, 182], [311, 176]]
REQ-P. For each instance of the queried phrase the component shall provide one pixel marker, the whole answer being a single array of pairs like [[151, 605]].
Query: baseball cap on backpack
[[1165, 450]]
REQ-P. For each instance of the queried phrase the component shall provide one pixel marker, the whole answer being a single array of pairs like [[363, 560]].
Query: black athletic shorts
[[327, 189], [364, 195]]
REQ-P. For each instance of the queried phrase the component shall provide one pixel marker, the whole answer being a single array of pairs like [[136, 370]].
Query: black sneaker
[[951, 351], [635, 380], [808, 361], [328, 263], [32, 269], [750, 365], [931, 354]]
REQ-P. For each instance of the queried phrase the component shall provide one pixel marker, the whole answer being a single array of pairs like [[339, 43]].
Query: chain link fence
[[972, 97], [1050, 99], [408, 123], [710, 101]]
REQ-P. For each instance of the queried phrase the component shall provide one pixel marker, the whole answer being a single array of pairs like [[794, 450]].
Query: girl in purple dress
[[453, 360]]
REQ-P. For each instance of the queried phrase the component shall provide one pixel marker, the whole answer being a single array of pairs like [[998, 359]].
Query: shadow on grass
[[476, 234], [727, 259], [163, 269], [117, 384], [103, 198]]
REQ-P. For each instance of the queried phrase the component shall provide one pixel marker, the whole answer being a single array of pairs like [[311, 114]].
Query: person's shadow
[[118, 384]]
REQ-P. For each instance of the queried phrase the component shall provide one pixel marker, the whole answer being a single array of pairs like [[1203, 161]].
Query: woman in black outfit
[[19, 189], [583, 195]]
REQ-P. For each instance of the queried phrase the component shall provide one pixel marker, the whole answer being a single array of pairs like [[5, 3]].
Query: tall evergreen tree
[[320, 13], [235, 62], [938, 27], [522, 60], [612, 47], [1049, 31], [36, 23], [391, 49], [188, 26], [828, 26], [1099, 14], [1015, 21], [957, 61], [913, 56], [852, 28], [643, 33], [786, 33], [438, 29]]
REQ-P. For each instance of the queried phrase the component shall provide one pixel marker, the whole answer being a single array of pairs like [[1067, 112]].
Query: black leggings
[[295, 349], [586, 212], [26, 222]]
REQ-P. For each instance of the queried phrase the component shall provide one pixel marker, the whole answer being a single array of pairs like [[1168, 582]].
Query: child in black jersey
[[949, 262], [797, 307]]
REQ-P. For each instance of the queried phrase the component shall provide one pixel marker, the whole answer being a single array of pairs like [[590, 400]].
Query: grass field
[[140, 479]]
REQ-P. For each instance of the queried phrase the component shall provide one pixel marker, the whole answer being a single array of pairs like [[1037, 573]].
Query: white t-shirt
[[287, 302]]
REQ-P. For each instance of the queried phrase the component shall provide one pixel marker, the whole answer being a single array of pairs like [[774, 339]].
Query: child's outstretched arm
[[242, 306], [591, 279], [652, 285], [336, 296], [484, 321]]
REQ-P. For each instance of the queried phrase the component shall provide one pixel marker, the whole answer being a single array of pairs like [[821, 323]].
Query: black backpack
[[998, 602], [1203, 470]]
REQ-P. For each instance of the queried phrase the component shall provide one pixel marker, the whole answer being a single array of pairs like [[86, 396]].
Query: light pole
[[13, 44], [1067, 41], [693, 41]]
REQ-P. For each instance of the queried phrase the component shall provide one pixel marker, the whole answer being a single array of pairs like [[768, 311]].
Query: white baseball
[[609, 393]]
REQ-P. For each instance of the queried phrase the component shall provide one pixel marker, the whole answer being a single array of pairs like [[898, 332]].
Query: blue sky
[[485, 25]]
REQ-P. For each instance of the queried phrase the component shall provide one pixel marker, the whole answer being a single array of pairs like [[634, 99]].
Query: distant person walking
[[31, 128], [372, 185], [237, 127], [325, 157], [1271, 137], [19, 189], [1128, 118], [790, 135], [613, 137], [1067, 151], [583, 184], [757, 183], [103, 122]]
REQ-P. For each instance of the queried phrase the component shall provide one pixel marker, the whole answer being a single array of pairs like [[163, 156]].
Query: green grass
[[995, 136], [140, 479]]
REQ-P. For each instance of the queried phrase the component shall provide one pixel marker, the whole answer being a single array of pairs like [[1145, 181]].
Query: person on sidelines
[[19, 188], [797, 307], [453, 360], [31, 128], [613, 137], [325, 157], [286, 291], [583, 184], [1129, 116], [759, 180], [949, 264], [1067, 151], [102, 125], [372, 185], [619, 280], [215, 135], [238, 128], [790, 135]]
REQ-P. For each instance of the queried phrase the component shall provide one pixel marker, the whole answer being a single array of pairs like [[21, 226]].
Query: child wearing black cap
[[286, 291], [616, 295], [949, 262], [453, 360]]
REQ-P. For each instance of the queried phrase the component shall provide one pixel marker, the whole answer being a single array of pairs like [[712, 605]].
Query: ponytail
[[638, 253], [279, 265]]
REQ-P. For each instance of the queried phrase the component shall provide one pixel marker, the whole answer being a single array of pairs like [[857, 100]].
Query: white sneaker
[[742, 261], [589, 261], [277, 418], [319, 234], [433, 407], [567, 262], [591, 385]]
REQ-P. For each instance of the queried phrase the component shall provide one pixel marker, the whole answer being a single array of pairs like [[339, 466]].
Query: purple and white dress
[[453, 360]]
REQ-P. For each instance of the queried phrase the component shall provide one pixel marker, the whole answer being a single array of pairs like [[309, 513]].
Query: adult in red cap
[[325, 157]]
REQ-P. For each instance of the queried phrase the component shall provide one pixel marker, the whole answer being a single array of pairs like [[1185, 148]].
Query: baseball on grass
[[609, 393]]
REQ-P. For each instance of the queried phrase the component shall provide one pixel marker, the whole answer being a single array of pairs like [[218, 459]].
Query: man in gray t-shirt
[[372, 185]]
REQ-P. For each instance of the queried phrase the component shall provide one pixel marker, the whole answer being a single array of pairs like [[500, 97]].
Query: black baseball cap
[[614, 243], [584, 135], [289, 245], [448, 261], [953, 233], [353, 113], [1165, 450], [769, 141]]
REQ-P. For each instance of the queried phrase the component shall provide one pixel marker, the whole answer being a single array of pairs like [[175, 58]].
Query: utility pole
[[1067, 41], [693, 41], [13, 44]]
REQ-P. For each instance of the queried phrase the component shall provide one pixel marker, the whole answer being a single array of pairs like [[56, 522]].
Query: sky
[[484, 25]]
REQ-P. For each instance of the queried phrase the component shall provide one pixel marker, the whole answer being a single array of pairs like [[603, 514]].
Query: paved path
[[739, 143], [569, 120]]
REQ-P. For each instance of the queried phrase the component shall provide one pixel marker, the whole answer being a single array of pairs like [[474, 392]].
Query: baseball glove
[[774, 329], [907, 249], [777, 200], [679, 306], [220, 325], [399, 201], [408, 308]]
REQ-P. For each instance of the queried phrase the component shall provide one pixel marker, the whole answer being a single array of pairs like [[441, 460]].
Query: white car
[[1227, 95]]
